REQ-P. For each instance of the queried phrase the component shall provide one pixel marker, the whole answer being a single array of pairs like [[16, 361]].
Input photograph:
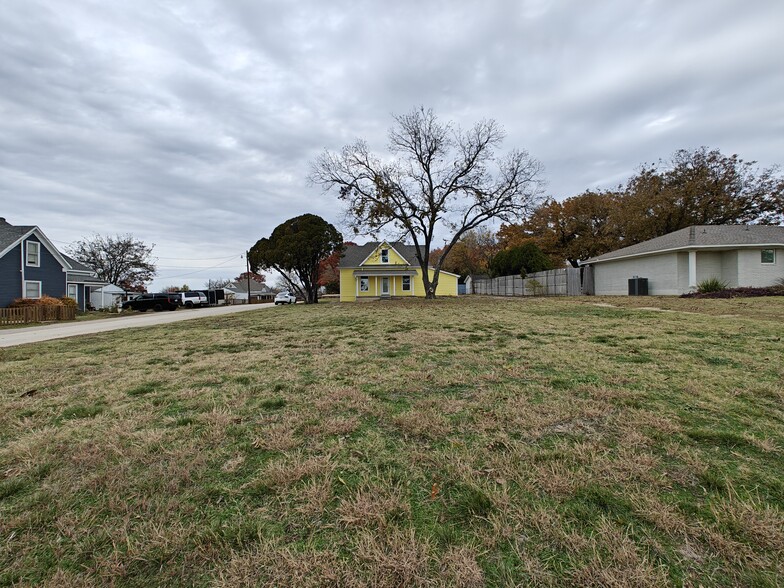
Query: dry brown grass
[[483, 442]]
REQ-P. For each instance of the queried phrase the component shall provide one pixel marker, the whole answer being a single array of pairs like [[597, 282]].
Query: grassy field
[[471, 442]]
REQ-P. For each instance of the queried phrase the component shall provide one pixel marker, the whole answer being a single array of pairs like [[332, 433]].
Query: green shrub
[[711, 285]]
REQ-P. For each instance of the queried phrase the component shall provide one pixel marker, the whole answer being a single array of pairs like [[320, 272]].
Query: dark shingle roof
[[701, 236], [356, 254], [9, 234], [76, 265]]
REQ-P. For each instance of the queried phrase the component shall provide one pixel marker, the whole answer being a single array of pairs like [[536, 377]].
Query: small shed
[[106, 296]]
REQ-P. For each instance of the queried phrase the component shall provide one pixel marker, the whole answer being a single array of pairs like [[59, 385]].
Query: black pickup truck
[[156, 302]]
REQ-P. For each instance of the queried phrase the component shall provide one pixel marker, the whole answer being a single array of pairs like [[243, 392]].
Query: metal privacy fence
[[559, 282]]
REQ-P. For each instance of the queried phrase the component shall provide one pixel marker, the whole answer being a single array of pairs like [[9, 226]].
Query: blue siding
[[10, 277], [50, 274]]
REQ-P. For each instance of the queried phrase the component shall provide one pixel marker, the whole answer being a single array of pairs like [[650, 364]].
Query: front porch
[[380, 284]]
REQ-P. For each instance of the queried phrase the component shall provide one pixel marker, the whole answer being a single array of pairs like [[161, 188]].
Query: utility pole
[[247, 271]]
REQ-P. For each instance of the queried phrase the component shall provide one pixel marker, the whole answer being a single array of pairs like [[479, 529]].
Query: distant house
[[740, 255], [259, 291], [386, 270], [31, 267]]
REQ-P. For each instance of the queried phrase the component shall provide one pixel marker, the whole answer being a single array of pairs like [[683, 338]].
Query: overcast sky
[[191, 124]]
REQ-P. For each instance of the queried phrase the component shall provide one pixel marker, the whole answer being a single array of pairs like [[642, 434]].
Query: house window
[[32, 289], [364, 284], [385, 256], [33, 254], [406, 283], [72, 288], [768, 256]]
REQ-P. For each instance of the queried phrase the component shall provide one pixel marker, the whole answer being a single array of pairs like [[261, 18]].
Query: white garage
[[674, 264]]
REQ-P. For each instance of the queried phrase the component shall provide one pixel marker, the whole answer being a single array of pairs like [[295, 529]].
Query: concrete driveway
[[24, 335]]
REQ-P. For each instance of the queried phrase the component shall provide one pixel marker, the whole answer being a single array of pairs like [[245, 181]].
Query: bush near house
[[66, 301], [42, 301], [737, 293]]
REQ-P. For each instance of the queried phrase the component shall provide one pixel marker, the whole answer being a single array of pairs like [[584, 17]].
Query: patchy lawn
[[467, 442]]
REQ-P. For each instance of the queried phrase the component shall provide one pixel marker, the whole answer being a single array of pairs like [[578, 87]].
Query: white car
[[285, 297]]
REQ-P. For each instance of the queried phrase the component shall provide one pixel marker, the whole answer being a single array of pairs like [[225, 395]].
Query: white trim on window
[[406, 287], [34, 253], [385, 256], [772, 258], [73, 291], [27, 285], [364, 284]]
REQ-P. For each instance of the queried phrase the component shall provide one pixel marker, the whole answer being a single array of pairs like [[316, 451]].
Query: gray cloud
[[192, 124]]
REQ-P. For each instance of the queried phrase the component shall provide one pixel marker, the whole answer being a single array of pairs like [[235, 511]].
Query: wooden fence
[[559, 282], [36, 314]]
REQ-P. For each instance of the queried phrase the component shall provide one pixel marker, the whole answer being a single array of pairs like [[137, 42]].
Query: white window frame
[[385, 256], [75, 291], [364, 284], [404, 284], [762, 252], [37, 262], [28, 282]]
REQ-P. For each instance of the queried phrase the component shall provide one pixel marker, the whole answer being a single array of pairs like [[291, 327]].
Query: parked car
[[285, 297], [191, 299], [156, 302]]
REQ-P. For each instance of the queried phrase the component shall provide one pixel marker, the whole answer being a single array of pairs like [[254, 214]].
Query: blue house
[[30, 267]]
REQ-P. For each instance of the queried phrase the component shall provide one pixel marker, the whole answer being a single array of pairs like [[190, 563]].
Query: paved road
[[21, 336]]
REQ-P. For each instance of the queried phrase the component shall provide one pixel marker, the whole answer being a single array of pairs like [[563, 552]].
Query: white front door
[[385, 286]]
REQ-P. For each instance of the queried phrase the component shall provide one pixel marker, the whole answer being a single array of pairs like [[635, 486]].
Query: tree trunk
[[430, 287]]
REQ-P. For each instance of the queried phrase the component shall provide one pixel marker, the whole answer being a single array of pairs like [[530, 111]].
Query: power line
[[195, 272], [160, 257]]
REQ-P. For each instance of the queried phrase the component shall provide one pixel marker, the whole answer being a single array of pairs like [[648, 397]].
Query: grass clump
[[143, 389], [711, 285], [273, 403]]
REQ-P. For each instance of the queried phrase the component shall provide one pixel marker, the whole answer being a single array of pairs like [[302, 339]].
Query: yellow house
[[387, 270]]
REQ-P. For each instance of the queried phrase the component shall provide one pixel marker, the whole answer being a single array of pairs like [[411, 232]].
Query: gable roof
[[77, 266], [701, 237], [241, 287], [10, 235], [355, 255]]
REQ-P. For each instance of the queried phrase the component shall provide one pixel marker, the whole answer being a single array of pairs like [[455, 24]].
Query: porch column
[[692, 270], [356, 284], [376, 285], [394, 285]]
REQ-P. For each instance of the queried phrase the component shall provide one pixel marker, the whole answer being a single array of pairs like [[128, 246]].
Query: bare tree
[[120, 260], [217, 283], [443, 182]]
